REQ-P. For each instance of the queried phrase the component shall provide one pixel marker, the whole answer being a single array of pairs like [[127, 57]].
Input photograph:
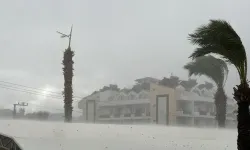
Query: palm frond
[[218, 37], [188, 84], [214, 68], [206, 85]]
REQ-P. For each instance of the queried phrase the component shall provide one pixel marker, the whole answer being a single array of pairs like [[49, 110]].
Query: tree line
[[171, 82]]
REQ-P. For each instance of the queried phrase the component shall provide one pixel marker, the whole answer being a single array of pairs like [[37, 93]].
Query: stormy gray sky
[[115, 41]]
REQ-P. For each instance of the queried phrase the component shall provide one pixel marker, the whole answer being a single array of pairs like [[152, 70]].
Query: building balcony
[[126, 120], [128, 115], [195, 114], [183, 114]]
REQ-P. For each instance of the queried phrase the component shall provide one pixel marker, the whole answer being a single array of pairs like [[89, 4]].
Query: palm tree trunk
[[242, 96], [243, 118], [68, 91], [221, 104]]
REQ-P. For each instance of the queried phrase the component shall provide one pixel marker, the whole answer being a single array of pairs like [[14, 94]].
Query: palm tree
[[206, 85], [68, 76], [112, 87], [215, 69], [138, 87], [68, 90], [218, 37], [171, 82], [189, 84]]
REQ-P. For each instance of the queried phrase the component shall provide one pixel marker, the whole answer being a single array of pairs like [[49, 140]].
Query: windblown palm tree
[[218, 37], [217, 70]]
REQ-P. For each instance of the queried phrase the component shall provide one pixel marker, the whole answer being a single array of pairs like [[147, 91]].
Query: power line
[[29, 92], [34, 91], [20, 90], [37, 89], [29, 87]]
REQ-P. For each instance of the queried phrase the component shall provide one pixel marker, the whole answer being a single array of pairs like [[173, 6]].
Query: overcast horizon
[[115, 42]]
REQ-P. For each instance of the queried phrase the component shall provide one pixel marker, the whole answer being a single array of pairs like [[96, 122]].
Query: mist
[[115, 42], [47, 135]]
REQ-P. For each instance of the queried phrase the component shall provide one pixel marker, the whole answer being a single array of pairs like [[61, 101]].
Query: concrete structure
[[197, 110], [160, 105], [118, 107], [157, 91]]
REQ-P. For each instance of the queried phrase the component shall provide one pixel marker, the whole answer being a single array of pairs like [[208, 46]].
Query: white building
[[197, 110], [186, 108]]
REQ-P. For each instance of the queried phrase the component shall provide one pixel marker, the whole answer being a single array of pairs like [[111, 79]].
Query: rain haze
[[115, 42]]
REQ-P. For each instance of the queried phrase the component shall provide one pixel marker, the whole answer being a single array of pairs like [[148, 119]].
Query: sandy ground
[[35, 135]]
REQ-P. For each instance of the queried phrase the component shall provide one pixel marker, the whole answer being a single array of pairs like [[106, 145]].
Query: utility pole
[[18, 104]]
